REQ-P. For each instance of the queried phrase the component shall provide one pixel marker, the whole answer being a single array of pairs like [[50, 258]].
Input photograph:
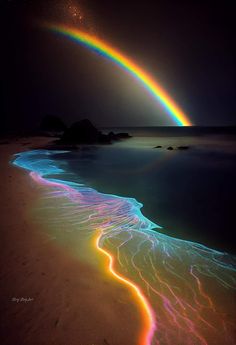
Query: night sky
[[187, 46]]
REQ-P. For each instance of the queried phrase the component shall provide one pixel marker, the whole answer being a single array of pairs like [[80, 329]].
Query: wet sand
[[47, 295]]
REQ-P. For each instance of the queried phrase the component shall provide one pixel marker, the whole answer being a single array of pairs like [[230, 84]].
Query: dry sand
[[47, 296]]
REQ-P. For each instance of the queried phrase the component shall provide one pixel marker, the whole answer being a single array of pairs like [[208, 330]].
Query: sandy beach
[[47, 295]]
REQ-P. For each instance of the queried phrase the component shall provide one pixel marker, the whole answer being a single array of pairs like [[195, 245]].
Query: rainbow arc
[[153, 87]]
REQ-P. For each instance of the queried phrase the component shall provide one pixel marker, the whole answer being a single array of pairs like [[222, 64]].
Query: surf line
[[148, 318]]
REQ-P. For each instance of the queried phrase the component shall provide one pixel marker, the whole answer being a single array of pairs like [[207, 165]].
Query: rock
[[84, 132], [104, 139], [112, 135], [51, 123], [158, 147], [118, 136], [123, 135], [81, 132], [170, 148], [183, 147]]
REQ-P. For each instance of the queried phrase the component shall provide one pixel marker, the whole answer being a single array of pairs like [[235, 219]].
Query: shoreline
[[48, 295], [182, 284]]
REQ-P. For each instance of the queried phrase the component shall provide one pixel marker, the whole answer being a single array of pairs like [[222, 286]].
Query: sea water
[[190, 193]]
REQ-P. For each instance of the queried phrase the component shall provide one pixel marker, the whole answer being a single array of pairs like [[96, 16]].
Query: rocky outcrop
[[183, 147], [170, 148], [81, 132], [51, 123], [84, 132]]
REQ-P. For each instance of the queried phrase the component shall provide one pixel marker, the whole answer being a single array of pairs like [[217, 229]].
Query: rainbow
[[91, 41]]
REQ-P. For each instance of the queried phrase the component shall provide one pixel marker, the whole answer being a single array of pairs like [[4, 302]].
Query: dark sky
[[187, 46]]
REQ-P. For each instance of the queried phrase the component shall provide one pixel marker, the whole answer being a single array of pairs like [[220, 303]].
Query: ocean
[[190, 193]]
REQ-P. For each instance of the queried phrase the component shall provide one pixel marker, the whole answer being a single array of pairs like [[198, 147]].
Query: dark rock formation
[[183, 147], [81, 132], [84, 132], [104, 139], [51, 123], [112, 136], [123, 135], [170, 148]]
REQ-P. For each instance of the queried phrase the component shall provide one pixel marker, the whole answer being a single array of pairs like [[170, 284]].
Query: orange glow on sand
[[149, 325]]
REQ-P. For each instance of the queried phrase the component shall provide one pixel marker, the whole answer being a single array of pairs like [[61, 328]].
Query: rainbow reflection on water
[[185, 291]]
